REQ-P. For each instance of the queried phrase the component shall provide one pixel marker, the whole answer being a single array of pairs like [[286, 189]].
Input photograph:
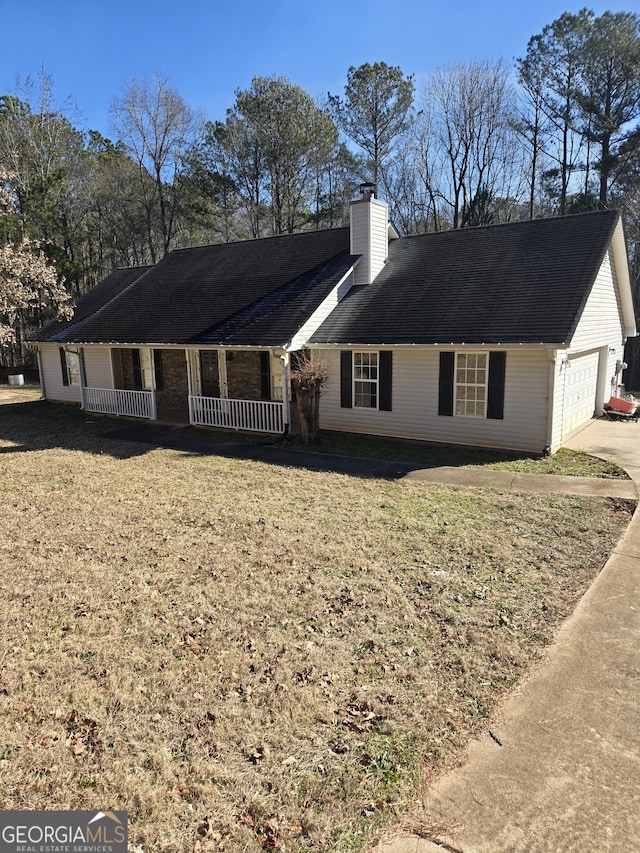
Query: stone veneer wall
[[243, 375], [126, 361], [176, 384]]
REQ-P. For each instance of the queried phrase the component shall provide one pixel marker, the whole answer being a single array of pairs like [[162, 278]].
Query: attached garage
[[581, 381]]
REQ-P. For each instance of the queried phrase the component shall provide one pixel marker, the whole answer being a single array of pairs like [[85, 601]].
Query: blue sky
[[209, 48]]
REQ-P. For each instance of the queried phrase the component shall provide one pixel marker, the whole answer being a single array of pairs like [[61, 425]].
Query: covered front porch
[[235, 389]]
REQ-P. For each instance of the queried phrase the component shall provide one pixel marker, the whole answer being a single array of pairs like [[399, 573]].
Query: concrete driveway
[[618, 441], [562, 772]]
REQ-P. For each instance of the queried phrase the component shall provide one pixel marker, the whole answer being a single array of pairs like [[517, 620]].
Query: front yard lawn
[[246, 657]]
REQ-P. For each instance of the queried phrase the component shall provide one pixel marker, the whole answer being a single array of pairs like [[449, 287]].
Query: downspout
[[552, 354]]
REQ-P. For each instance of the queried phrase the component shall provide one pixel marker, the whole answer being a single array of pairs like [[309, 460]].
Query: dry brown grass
[[251, 658]]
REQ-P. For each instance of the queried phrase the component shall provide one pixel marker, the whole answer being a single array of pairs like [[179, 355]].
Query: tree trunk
[[308, 403]]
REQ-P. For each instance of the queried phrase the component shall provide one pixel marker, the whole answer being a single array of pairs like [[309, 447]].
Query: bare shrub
[[308, 378]]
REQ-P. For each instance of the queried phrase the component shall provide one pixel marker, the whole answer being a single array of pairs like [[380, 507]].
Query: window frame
[[70, 368], [385, 379], [360, 380], [458, 385], [496, 384]]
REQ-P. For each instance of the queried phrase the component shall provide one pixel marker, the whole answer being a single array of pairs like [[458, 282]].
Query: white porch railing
[[115, 401], [253, 415]]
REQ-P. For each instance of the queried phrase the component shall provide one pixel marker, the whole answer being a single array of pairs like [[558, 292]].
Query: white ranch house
[[508, 336]]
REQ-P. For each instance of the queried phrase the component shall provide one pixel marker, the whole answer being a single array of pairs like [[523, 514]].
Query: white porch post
[[286, 399], [187, 355], [154, 402], [222, 373]]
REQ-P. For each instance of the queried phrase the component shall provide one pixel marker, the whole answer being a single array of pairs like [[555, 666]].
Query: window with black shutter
[[366, 379], [471, 384]]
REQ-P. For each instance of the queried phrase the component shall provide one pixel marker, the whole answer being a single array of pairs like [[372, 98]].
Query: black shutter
[[495, 391], [346, 383], [63, 366], [265, 375], [385, 368], [137, 369], [157, 369], [445, 383]]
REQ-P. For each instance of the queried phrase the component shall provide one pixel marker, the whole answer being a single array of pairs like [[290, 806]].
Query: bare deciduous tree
[[157, 128], [467, 112]]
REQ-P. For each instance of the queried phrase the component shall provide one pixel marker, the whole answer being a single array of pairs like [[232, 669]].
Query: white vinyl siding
[[585, 373], [322, 312], [415, 403], [52, 380], [369, 238], [601, 322], [97, 367]]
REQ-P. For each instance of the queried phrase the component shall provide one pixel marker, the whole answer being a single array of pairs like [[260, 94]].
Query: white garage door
[[580, 390]]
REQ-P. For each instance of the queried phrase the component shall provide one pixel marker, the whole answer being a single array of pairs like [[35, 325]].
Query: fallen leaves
[[270, 831], [83, 735], [48, 739]]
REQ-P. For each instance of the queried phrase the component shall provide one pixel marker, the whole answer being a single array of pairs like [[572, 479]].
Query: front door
[[209, 375]]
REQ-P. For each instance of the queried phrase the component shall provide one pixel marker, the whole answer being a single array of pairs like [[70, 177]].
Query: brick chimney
[[369, 234]]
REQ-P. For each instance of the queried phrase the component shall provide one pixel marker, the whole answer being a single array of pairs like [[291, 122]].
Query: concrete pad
[[617, 441]]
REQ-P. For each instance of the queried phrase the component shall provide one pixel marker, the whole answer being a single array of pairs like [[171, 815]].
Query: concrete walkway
[[274, 453], [508, 481], [565, 775]]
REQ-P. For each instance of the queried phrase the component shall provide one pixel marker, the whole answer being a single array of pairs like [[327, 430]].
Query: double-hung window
[[471, 383], [365, 380], [70, 365]]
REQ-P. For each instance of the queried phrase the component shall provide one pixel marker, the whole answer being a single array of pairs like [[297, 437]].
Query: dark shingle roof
[[223, 293], [91, 302], [524, 282]]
